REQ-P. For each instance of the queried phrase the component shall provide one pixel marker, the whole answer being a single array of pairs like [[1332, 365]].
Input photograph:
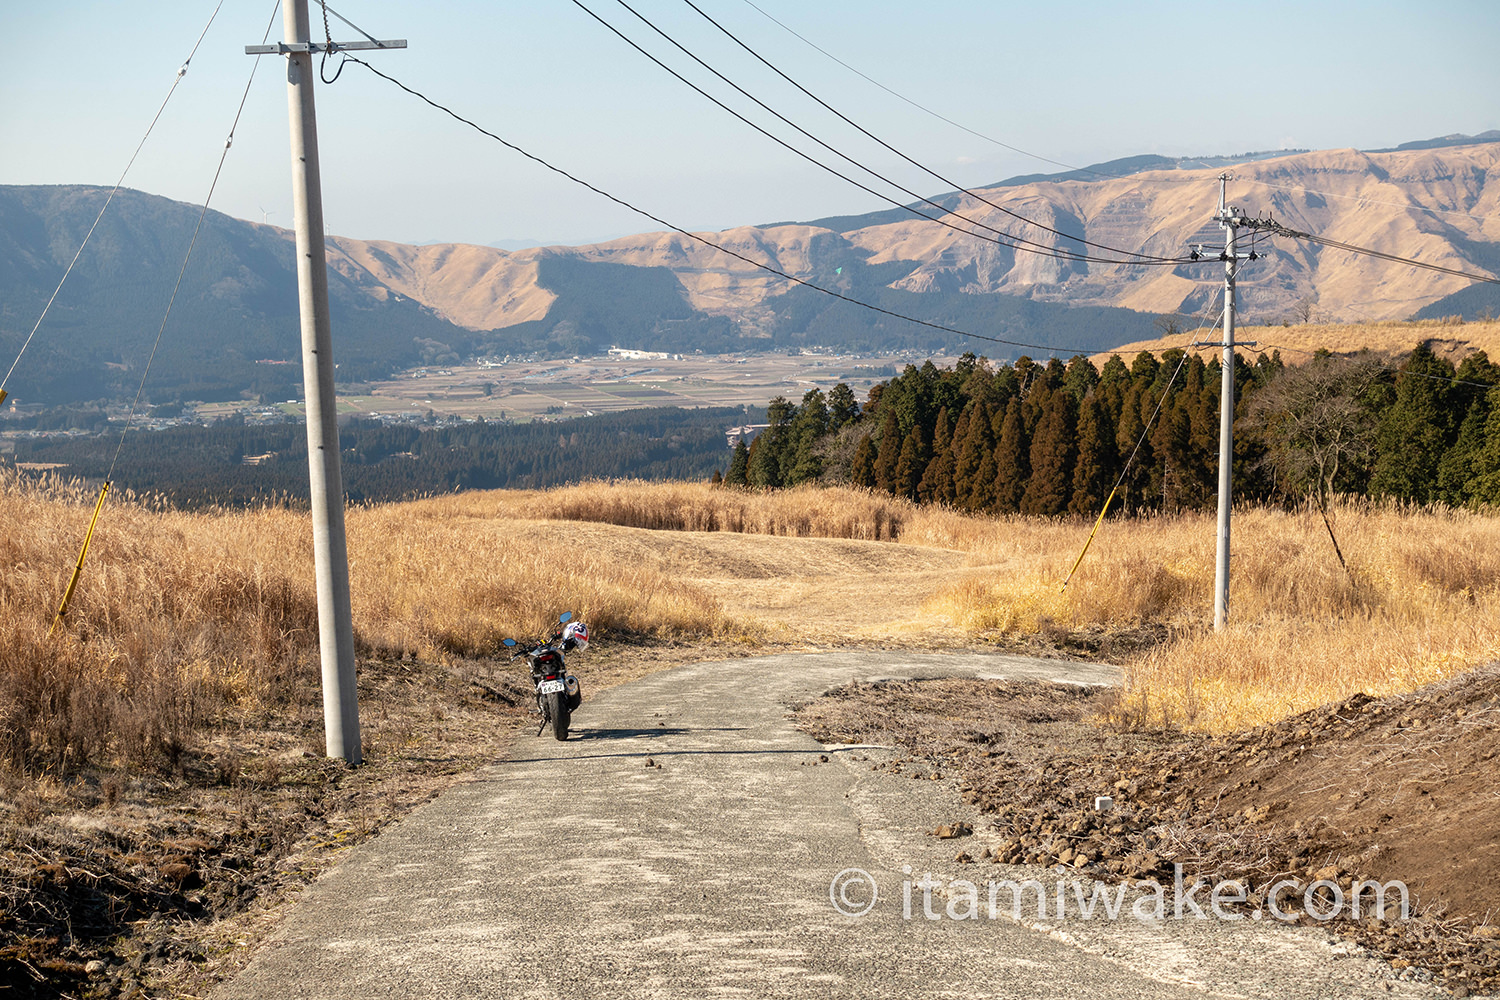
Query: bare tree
[[1170, 324], [1318, 428]]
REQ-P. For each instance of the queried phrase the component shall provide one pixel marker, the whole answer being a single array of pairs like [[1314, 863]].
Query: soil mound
[[1366, 789]]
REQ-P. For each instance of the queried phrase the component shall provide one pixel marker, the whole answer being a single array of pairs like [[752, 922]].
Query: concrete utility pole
[[335, 623], [1230, 219]]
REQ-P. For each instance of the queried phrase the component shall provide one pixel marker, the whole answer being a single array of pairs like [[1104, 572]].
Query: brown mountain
[[408, 305], [1437, 205]]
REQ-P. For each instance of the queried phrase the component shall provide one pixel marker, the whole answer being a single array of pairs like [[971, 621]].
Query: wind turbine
[[265, 217]]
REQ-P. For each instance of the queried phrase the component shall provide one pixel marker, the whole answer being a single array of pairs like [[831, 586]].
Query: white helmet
[[579, 633]]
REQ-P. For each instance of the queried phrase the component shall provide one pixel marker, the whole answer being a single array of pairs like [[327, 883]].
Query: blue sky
[[1079, 82]]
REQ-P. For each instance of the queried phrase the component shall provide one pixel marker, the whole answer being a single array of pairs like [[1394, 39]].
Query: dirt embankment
[[1391, 789]]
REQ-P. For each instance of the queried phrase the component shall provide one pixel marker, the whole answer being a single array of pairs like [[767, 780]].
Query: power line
[[1278, 229], [1051, 349], [933, 173], [181, 72], [1059, 163], [1139, 441], [135, 404], [1021, 243], [920, 107]]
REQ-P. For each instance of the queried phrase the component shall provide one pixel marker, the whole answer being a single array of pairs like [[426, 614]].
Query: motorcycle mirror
[[565, 617], [507, 642]]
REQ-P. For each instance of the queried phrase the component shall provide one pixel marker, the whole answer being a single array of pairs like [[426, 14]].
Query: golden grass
[[455, 575], [1450, 338], [183, 617], [808, 512], [1420, 602]]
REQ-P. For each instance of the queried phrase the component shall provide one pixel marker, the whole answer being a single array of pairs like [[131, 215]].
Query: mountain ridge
[[1436, 204], [404, 304]]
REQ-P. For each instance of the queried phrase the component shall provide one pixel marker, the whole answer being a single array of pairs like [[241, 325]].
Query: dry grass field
[[1420, 600], [183, 618], [1448, 338]]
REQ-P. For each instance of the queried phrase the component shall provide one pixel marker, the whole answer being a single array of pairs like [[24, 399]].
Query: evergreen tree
[[1054, 373], [1115, 372], [983, 496], [1171, 442], [739, 465], [1172, 361], [1098, 458], [843, 408], [1135, 408], [1266, 369], [948, 392], [1484, 482], [1033, 406], [1026, 373], [1144, 368], [1456, 472], [770, 455], [912, 399], [959, 445], [1012, 457], [1079, 377], [1200, 402], [981, 385], [937, 480], [889, 454], [809, 424], [1414, 431], [862, 470], [912, 463], [973, 443], [1053, 454]]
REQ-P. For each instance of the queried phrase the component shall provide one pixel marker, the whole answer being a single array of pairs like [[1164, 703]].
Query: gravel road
[[683, 844]]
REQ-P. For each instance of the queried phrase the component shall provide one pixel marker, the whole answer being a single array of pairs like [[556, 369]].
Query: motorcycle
[[557, 692]]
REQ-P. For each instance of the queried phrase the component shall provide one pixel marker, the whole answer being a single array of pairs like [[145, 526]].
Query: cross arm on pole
[[286, 48]]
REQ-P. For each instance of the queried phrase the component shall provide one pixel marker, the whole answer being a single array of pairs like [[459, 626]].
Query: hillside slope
[[1437, 205], [233, 328]]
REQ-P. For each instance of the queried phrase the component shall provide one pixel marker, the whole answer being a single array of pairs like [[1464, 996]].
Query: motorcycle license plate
[[552, 687]]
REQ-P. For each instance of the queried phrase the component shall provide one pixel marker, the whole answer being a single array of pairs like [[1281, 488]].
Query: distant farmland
[[525, 390]]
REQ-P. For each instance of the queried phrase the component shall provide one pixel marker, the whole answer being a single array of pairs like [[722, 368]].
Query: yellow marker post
[[1086, 544], [82, 554]]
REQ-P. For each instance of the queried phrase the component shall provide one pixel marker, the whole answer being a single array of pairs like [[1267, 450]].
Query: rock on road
[[576, 870]]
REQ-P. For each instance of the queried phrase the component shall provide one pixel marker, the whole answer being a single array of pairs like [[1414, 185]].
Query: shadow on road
[[643, 732], [582, 735]]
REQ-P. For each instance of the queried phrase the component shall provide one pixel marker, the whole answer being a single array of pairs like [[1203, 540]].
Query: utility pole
[[1230, 219], [331, 555]]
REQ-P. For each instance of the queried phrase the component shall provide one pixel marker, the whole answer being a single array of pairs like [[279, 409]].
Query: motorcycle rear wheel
[[557, 711]]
